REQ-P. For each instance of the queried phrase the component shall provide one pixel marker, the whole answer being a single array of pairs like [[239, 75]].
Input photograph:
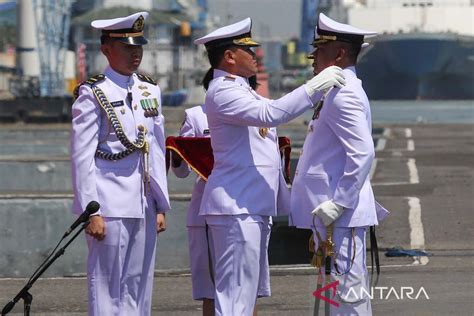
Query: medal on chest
[[150, 107]]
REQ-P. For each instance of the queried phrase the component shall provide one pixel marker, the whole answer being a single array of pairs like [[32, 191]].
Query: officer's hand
[[325, 80], [96, 227], [328, 212], [176, 159], [160, 222]]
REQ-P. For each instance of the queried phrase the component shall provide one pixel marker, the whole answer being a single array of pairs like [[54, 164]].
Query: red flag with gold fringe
[[197, 153]]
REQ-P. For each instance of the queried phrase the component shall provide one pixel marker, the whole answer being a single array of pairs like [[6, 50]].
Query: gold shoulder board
[[90, 82], [146, 79]]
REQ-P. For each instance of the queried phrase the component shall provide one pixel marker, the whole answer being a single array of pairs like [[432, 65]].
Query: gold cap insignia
[[138, 24]]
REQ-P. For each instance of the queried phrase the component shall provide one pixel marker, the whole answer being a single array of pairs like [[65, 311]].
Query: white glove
[[326, 79], [328, 212]]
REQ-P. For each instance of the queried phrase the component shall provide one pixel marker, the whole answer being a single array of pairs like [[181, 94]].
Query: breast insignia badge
[[263, 131]]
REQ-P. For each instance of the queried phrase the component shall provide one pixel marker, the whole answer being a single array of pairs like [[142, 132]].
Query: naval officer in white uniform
[[242, 190], [195, 125], [331, 184], [117, 152]]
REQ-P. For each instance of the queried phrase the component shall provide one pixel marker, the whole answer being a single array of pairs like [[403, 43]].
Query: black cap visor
[[135, 41]]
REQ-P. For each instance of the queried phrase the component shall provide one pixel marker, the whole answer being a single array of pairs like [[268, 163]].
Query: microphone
[[91, 208]]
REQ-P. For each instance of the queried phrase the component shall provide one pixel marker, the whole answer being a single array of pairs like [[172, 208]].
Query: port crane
[[42, 44]]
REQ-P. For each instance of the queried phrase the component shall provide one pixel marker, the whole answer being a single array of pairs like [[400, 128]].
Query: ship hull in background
[[418, 66]]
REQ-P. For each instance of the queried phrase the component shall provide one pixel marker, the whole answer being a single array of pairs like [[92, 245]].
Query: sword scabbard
[[329, 248]]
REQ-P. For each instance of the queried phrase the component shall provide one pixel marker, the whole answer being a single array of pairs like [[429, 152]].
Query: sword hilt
[[329, 240]]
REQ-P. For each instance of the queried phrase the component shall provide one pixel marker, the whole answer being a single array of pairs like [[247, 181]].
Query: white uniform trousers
[[203, 285], [120, 267], [264, 280], [353, 287], [240, 248]]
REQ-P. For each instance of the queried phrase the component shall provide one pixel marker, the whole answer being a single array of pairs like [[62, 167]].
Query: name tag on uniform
[[117, 103], [206, 132]]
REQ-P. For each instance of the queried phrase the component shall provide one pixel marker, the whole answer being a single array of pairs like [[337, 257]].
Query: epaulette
[[90, 82], [146, 79]]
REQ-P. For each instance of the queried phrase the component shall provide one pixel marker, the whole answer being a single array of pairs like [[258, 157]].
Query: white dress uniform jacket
[[117, 185], [246, 178], [336, 159]]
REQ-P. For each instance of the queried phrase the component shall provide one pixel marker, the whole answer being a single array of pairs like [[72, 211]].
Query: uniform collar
[[350, 72], [119, 79], [221, 73]]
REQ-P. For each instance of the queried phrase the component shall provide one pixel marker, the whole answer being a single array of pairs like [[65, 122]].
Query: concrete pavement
[[424, 175]]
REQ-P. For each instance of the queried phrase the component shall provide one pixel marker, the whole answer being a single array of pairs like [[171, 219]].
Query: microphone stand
[[24, 294]]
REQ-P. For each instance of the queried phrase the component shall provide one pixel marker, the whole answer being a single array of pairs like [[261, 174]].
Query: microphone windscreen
[[92, 207]]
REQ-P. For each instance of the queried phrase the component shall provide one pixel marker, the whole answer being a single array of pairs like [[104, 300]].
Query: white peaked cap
[[128, 30], [330, 30], [235, 34], [118, 23]]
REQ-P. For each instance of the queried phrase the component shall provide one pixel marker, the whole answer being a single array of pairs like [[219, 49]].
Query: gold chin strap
[[121, 35], [327, 37]]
